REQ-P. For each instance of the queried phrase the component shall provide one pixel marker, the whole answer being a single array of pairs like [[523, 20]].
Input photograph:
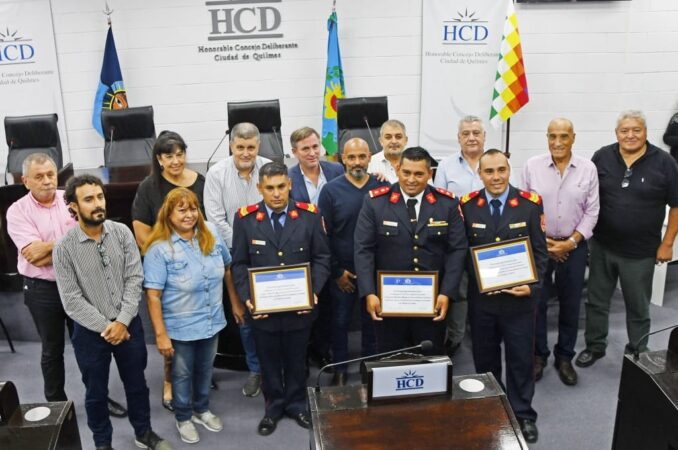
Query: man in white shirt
[[229, 185], [393, 139]]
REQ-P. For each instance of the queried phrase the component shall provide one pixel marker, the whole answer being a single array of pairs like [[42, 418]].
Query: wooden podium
[[342, 419]]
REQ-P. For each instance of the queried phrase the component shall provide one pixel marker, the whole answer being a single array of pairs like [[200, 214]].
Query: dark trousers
[[399, 332], [282, 356], [320, 331], [93, 355], [635, 277], [566, 280], [43, 302], [342, 312], [488, 330]]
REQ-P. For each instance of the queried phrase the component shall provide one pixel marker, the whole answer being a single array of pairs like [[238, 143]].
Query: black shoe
[[587, 358], [339, 379], [266, 426], [539, 363], [152, 441], [302, 420], [213, 385], [566, 372], [115, 409], [529, 429], [451, 348], [318, 359], [167, 404]]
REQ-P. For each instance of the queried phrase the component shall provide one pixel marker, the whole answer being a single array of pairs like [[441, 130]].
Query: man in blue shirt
[[340, 203]]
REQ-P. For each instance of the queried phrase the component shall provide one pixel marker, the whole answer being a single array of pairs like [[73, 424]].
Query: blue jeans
[[192, 375], [247, 338], [568, 285], [342, 308], [93, 355]]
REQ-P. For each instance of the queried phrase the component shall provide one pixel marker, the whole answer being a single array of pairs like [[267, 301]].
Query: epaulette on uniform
[[310, 207], [445, 192], [468, 197], [378, 192], [245, 210], [531, 196]]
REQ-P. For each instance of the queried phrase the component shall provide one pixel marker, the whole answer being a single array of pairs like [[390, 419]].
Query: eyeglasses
[[627, 178], [105, 259]]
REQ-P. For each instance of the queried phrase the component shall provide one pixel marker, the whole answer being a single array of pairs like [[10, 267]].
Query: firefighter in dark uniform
[[277, 232], [494, 214], [410, 226]]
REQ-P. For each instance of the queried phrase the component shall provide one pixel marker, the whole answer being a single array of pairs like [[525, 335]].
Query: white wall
[[584, 61]]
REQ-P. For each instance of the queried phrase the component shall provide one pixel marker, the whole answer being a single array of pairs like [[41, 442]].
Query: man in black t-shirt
[[637, 182]]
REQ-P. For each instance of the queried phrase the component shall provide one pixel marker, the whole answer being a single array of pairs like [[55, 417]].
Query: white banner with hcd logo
[[29, 74], [460, 48]]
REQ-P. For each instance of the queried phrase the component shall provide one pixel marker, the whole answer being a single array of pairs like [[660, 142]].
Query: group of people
[[199, 236]]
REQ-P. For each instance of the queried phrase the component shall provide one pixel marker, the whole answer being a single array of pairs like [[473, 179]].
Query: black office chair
[[361, 117], [129, 135], [31, 134], [265, 114]]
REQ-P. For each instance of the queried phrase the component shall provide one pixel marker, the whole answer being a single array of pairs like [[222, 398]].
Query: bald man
[[340, 203], [568, 185]]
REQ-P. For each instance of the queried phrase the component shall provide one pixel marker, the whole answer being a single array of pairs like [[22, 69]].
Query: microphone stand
[[363, 358], [636, 353]]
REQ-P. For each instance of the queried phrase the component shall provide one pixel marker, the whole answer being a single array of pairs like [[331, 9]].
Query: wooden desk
[[342, 419]]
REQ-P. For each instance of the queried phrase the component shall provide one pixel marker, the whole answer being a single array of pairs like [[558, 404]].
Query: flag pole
[[508, 135], [108, 11]]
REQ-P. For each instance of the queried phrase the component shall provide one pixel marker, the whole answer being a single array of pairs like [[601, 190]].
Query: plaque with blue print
[[281, 288], [504, 264], [407, 294]]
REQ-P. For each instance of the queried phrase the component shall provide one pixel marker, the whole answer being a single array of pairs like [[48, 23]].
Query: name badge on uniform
[[517, 225], [478, 225], [257, 242], [388, 223], [437, 223]]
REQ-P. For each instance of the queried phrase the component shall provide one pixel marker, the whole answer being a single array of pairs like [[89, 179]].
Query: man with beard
[[340, 203], [393, 139], [35, 222], [230, 184], [99, 275]]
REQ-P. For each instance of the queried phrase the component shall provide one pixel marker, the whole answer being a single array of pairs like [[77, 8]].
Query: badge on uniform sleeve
[[542, 223]]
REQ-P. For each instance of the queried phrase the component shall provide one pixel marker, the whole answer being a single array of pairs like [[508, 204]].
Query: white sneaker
[[187, 432], [209, 421]]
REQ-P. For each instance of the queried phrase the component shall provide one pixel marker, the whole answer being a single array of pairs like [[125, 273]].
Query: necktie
[[496, 213], [412, 211], [277, 226]]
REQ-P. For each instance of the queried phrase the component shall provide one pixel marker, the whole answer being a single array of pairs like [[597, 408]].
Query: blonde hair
[[163, 229]]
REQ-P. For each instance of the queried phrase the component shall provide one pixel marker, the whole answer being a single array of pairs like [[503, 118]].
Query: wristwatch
[[573, 240]]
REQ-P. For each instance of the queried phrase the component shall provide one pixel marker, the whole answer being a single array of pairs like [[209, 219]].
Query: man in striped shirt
[[99, 275]]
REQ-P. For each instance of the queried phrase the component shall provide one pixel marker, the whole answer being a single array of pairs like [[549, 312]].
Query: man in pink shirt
[[568, 185], [35, 222]]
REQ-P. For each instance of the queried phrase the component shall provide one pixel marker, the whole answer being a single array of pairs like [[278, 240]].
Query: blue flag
[[334, 87], [111, 93]]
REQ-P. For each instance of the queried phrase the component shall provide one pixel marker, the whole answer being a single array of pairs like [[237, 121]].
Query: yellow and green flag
[[334, 87]]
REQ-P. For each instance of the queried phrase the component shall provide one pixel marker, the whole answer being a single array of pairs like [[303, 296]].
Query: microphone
[[217, 148], [9, 149], [425, 346], [367, 122], [275, 133], [110, 148], [636, 353]]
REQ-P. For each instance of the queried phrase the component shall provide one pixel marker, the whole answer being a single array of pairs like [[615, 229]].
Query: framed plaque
[[504, 264], [281, 288], [407, 294]]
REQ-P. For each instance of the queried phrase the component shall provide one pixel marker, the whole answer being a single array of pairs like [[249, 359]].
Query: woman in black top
[[671, 136], [169, 172]]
